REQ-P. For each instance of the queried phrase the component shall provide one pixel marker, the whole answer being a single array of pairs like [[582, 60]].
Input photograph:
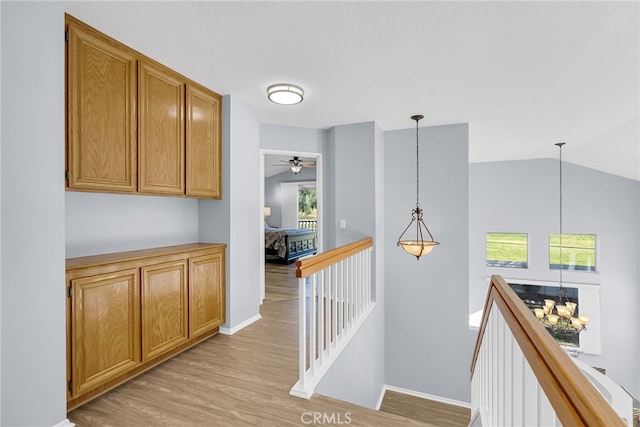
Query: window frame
[[511, 264], [572, 267]]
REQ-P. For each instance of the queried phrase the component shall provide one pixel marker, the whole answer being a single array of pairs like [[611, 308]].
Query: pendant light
[[417, 246], [561, 322]]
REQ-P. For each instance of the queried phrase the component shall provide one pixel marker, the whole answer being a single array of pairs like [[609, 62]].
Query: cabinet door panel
[[101, 113], [203, 143], [206, 293], [164, 308], [161, 105], [106, 328]]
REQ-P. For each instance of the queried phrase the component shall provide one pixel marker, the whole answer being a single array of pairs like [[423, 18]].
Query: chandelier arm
[[427, 228], [419, 237], [405, 230]]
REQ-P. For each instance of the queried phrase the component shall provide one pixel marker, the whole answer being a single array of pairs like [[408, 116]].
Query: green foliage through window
[[507, 250], [578, 252], [307, 203]]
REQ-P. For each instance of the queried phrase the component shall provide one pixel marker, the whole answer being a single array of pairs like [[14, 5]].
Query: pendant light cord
[[417, 168], [561, 291]]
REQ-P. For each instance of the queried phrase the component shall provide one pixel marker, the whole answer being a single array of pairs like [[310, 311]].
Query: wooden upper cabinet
[[161, 130], [204, 145], [134, 125], [206, 292], [105, 337], [101, 112], [164, 308]]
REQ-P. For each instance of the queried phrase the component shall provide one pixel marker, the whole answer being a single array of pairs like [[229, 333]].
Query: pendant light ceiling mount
[[285, 94], [418, 246]]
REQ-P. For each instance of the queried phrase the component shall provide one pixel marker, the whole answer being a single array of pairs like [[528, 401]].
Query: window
[[307, 207], [507, 250], [578, 252]]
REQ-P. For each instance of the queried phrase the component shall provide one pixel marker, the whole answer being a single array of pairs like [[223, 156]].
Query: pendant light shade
[[415, 244]]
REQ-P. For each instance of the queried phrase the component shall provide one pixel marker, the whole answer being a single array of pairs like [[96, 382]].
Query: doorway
[[275, 169]]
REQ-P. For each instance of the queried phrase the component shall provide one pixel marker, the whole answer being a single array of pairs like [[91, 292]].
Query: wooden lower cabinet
[[106, 333], [164, 308], [206, 295], [129, 311]]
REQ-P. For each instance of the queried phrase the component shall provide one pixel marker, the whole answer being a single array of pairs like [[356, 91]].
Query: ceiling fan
[[295, 164]]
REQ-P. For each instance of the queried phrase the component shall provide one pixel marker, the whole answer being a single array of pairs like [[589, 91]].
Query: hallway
[[244, 380], [239, 380]]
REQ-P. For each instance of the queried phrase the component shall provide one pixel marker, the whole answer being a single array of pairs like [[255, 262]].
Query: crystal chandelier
[[561, 322], [418, 246]]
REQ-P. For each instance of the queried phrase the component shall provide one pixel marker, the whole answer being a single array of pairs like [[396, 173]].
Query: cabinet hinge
[[69, 292], [70, 385], [66, 36], [66, 175]]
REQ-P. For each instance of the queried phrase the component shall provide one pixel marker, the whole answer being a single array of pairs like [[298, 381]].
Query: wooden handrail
[[574, 399], [308, 266]]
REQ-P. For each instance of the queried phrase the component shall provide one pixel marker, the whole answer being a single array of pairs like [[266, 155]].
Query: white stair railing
[[617, 397], [521, 377], [335, 299]]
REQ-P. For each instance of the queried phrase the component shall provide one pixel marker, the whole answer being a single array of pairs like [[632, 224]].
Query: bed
[[285, 245]]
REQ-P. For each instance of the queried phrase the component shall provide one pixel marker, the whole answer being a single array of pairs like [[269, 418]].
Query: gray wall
[[359, 374], [33, 298], [236, 219], [296, 140], [522, 196], [292, 138], [272, 195], [102, 223], [428, 341], [353, 159]]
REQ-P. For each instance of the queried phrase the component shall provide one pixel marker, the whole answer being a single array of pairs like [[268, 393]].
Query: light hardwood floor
[[239, 380], [425, 410], [280, 282]]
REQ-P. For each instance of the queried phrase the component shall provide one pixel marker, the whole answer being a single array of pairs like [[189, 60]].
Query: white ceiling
[[524, 75]]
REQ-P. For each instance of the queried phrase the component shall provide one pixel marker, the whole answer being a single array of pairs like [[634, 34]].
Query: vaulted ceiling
[[524, 75]]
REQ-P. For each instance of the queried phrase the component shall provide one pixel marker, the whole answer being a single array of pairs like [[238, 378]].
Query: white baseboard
[[65, 423], [421, 395], [381, 397], [240, 326]]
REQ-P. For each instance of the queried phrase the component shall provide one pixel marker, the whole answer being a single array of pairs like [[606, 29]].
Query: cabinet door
[[204, 174], [105, 328], [164, 308], [101, 103], [161, 130], [206, 292]]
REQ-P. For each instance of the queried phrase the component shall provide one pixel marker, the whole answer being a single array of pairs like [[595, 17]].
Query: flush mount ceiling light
[[417, 245], [285, 94]]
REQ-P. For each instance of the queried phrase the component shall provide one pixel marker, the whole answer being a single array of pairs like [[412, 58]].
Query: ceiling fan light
[[295, 168], [285, 94]]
